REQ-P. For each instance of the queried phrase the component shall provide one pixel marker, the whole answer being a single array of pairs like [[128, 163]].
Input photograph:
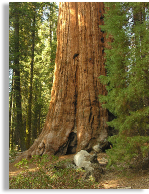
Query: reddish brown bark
[[74, 105]]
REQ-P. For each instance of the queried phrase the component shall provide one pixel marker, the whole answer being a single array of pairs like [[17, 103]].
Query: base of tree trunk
[[76, 119]]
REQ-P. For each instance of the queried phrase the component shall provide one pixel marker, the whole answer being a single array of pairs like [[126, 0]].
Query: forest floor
[[111, 179]]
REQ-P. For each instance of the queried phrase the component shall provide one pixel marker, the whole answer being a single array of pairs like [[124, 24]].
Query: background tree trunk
[[74, 105], [29, 111], [19, 134]]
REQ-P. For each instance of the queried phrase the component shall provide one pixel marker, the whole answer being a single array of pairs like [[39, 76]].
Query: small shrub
[[128, 151], [23, 164]]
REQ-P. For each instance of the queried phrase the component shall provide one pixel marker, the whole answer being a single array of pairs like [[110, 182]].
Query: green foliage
[[46, 176], [23, 164], [127, 150], [127, 80]]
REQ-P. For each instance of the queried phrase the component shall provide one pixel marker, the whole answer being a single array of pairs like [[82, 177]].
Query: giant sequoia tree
[[74, 106]]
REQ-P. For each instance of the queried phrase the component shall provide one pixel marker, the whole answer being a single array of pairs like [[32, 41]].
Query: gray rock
[[90, 163], [82, 159]]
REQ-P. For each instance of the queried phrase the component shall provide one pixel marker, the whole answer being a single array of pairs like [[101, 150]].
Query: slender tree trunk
[[10, 119], [36, 112], [19, 135], [29, 111], [39, 112], [74, 106]]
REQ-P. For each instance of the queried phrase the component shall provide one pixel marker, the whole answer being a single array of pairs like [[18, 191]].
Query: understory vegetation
[[49, 176]]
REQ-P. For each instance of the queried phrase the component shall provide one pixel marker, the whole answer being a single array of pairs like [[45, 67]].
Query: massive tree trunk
[[74, 106]]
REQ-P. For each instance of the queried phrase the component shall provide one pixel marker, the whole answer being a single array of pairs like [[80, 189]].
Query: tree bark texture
[[75, 105]]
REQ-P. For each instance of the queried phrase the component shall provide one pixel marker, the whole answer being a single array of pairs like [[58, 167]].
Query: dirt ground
[[111, 179]]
